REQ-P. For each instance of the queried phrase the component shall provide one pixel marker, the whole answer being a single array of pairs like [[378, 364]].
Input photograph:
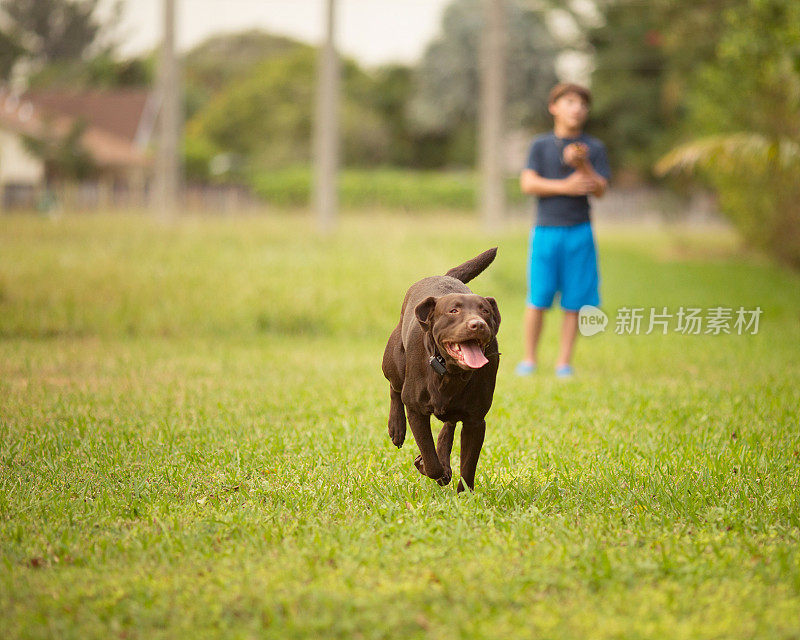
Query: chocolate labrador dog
[[442, 360]]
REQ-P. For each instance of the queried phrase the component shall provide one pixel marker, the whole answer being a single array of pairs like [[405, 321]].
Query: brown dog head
[[462, 325]]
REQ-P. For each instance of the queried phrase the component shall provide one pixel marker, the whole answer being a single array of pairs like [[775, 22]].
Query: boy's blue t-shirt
[[546, 159]]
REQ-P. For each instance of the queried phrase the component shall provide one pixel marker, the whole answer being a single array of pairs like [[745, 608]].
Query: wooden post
[[326, 128], [493, 64], [168, 164]]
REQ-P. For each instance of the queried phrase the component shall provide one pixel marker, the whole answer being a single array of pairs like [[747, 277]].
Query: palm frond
[[732, 151]]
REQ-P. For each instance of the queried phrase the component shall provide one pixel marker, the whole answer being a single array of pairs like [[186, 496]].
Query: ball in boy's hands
[[576, 154]]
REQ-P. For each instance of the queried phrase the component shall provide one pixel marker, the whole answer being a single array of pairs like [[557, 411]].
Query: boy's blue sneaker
[[525, 368], [565, 371]]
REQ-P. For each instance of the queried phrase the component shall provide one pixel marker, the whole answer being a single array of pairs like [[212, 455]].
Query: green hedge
[[386, 188]]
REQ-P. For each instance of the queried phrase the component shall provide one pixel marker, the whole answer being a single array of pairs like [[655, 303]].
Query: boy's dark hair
[[564, 88]]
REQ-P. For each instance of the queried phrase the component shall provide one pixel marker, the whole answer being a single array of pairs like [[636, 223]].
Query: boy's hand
[[580, 184], [576, 155]]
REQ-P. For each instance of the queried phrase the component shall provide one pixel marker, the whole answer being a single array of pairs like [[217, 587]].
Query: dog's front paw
[[445, 479], [397, 425], [397, 432]]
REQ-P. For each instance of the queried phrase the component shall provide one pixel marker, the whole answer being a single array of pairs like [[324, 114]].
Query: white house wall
[[17, 164]]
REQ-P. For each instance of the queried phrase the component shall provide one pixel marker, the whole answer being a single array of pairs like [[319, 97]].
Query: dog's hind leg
[[444, 444], [397, 419]]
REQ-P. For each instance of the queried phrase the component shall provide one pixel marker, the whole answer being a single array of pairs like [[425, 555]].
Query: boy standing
[[563, 168]]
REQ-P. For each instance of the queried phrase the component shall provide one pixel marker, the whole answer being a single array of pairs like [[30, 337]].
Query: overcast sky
[[373, 31]]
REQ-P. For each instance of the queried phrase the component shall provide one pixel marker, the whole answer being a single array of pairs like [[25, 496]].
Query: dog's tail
[[472, 268]]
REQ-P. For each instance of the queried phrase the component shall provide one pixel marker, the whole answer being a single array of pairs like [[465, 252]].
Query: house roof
[[118, 123], [117, 112]]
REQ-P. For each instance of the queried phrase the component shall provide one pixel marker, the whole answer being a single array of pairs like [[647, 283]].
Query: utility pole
[[326, 127], [168, 165], [493, 81]]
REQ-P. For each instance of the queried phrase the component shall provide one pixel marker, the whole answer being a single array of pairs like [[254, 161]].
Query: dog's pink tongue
[[473, 355]]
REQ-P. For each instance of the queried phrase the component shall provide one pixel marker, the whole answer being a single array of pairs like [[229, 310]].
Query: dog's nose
[[475, 323]]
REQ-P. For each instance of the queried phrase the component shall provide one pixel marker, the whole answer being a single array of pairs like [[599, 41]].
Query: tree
[[632, 106], [646, 55], [216, 62], [211, 70], [388, 91], [220, 59], [58, 30], [64, 156], [265, 117], [10, 52], [448, 78], [746, 100], [103, 71]]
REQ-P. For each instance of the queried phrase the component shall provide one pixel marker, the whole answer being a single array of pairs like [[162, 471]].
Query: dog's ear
[[424, 312], [495, 313]]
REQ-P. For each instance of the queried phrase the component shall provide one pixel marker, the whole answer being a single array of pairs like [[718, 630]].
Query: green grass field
[[193, 442]]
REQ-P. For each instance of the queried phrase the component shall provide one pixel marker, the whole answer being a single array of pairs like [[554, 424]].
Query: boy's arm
[[576, 184]]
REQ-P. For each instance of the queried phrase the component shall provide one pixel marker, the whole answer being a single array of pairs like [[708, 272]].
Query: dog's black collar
[[438, 363]]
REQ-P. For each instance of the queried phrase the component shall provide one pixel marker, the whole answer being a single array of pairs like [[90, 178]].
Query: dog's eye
[[455, 310]]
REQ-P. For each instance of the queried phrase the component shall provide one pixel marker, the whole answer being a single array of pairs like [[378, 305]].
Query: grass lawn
[[193, 442]]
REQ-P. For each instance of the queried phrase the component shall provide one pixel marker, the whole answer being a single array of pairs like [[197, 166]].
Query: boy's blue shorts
[[563, 259]]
